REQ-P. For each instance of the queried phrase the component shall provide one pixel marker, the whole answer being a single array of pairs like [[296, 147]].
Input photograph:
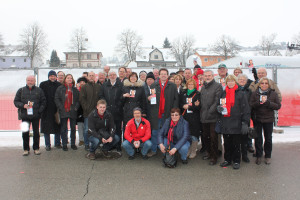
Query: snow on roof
[[166, 52]]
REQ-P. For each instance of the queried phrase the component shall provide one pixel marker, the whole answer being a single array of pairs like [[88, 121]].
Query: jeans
[[36, 135], [268, 129], [80, 126], [56, 139], [64, 130], [154, 135], [183, 151], [129, 147], [95, 142], [85, 131]]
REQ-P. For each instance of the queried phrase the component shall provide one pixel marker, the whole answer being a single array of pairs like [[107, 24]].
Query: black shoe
[[250, 149], [48, 148], [185, 162], [145, 157], [245, 159], [65, 148], [236, 166], [131, 157], [74, 147], [106, 154], [225, 164], [58, 146], [86, 147]]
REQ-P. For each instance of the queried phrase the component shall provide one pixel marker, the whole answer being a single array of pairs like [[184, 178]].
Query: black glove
[[220, 109], [244, 128]]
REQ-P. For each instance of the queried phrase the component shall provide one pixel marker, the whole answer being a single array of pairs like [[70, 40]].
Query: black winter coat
[[60, 102], [240, 112], [113, 95], [192, 118], [89, 95], [264, 113], [48, 124], [35, 95], [96, 124], [132, 102]]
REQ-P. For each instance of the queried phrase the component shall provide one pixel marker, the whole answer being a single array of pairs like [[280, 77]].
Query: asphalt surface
[[69, 175]]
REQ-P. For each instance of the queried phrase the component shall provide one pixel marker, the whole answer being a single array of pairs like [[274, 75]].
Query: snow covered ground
[[14, 139]]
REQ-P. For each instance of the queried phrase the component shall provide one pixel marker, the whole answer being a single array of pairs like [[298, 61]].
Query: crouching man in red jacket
[[137, 135]]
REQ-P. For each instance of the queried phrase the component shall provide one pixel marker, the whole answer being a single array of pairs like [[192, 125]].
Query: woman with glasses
[[175, 135], [264, 101]]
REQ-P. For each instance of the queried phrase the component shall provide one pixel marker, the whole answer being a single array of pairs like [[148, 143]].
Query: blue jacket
[[181, 132]]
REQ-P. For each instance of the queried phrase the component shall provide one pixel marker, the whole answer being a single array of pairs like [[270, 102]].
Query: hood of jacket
[[127, 83]]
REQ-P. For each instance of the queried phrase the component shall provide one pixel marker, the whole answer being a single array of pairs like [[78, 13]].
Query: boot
[[193, 149]]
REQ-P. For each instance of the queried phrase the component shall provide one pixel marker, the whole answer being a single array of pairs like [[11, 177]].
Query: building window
[[219, 59], [205, 59], [14, 60], [155, 56], [89, 56], [25, 60], [89, 64], [3, 60]]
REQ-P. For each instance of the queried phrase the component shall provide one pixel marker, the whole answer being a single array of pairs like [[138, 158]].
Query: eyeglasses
[[264, 83], [173, 115]]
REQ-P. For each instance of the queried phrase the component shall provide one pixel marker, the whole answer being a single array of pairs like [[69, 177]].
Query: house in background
[[156, 57], [14, 59], [88, 59], [208, 58]]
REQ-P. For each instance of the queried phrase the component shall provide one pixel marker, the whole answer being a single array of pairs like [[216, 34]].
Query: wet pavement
[[69, 175]]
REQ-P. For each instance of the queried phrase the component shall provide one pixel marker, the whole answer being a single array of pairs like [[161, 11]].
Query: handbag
[[170, 161], [57, 117]]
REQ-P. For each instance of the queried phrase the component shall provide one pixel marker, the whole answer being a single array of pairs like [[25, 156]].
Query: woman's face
[[69, 79], [175, 117], [133, 79], [230, 83], [177, 81], [190, 86], [264, 85], [242, 81], [237, 72]]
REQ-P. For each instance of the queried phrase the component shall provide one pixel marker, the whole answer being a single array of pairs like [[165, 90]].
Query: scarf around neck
[[162, 99], [190, 92], [171, 132], [230, 98], [68, 97]]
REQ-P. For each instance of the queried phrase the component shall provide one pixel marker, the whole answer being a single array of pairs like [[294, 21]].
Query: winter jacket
[[60, 102], [181, 132], [264, 113], [88, 97], [139, 100], [97, 125], [134, 133], [209, 100], [48, 124], [35, 95], [113, 94], [193, 118], [240, 113], [171, 101], [254, 85]]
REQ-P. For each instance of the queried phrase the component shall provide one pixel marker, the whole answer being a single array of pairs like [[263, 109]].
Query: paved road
[[69, 175]]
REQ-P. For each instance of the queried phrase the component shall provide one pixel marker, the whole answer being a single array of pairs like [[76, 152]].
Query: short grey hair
[[208, 70], [242, 76]]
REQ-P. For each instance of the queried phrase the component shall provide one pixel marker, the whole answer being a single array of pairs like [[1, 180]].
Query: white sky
[[103, 20]]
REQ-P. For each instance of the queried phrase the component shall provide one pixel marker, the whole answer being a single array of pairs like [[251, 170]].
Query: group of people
[[153, 111]]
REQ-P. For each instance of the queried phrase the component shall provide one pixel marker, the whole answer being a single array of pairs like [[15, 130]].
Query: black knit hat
[[150, 75], [52, 72], [82, 79]]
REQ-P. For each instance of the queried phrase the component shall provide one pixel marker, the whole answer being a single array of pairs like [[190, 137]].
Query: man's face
[[106, 69], [60, 77], [101, 77], [129, 71], [112, 76], [222, 71], [163, 76], [137, 115], [30, 81], [91, 77], [156, 73], [52, 78], [237, 72], [122, 73], [149, 81], [187, 74], [81, 83], [208, 77], [261, 73], [101, 108]]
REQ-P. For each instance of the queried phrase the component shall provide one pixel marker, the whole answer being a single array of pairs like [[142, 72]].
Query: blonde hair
[[264, 79], [191, 81], [231, 77]]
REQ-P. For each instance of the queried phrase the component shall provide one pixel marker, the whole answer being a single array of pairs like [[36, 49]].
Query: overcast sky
[[246, 21]]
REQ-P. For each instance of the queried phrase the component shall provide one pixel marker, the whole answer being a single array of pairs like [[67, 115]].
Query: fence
[[12, 80]]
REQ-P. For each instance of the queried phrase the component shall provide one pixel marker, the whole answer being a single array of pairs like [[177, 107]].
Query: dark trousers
[[244, 145], [268, 129], [36, 135], [64, 130], [232, 147], [118, 124], [210, 139]]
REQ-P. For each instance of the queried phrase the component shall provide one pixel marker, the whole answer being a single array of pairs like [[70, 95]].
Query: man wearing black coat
[[48, 123], [31, 102]]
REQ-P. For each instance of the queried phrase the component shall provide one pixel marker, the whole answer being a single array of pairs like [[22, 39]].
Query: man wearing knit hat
[[148, 82], [48, 123]]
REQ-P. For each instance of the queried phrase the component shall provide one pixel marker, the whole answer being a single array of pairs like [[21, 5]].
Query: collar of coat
[[117, 83], [105, 115], [127, 83], [209, 84]]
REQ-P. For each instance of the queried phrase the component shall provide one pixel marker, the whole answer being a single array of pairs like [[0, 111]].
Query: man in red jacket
[[137, 135]]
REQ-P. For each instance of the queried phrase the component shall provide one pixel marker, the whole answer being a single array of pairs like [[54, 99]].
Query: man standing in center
[[166, 98]]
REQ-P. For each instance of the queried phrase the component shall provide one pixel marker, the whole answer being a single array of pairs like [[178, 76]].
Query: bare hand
[[104, 141], [186, 106], [197, 103], [162, 148], [109, 139], [126, 95], [26, 106], [172, 151], [137, 144], [149, 98]]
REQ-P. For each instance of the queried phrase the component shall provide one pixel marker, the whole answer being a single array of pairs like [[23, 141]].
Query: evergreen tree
[[167, 44], [54, 60]]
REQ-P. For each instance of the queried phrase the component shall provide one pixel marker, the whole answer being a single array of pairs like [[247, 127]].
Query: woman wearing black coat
[[190, 106], [264, 101], [235, 117], [67, 102], [134, 96]]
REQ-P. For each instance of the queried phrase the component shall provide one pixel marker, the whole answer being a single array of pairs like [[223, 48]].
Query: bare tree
[[129, 44], [296, 39], [225, 46], [1, 41], [33, 42], [183, 47], [267, 46], [79, 43]]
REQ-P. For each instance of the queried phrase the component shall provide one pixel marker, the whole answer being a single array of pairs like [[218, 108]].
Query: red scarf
[[162, 99], [68, 97], [171, 132], [230, 98]]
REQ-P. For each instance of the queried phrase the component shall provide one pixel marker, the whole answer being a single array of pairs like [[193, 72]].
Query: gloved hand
[[244, 128], [220, 109]]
